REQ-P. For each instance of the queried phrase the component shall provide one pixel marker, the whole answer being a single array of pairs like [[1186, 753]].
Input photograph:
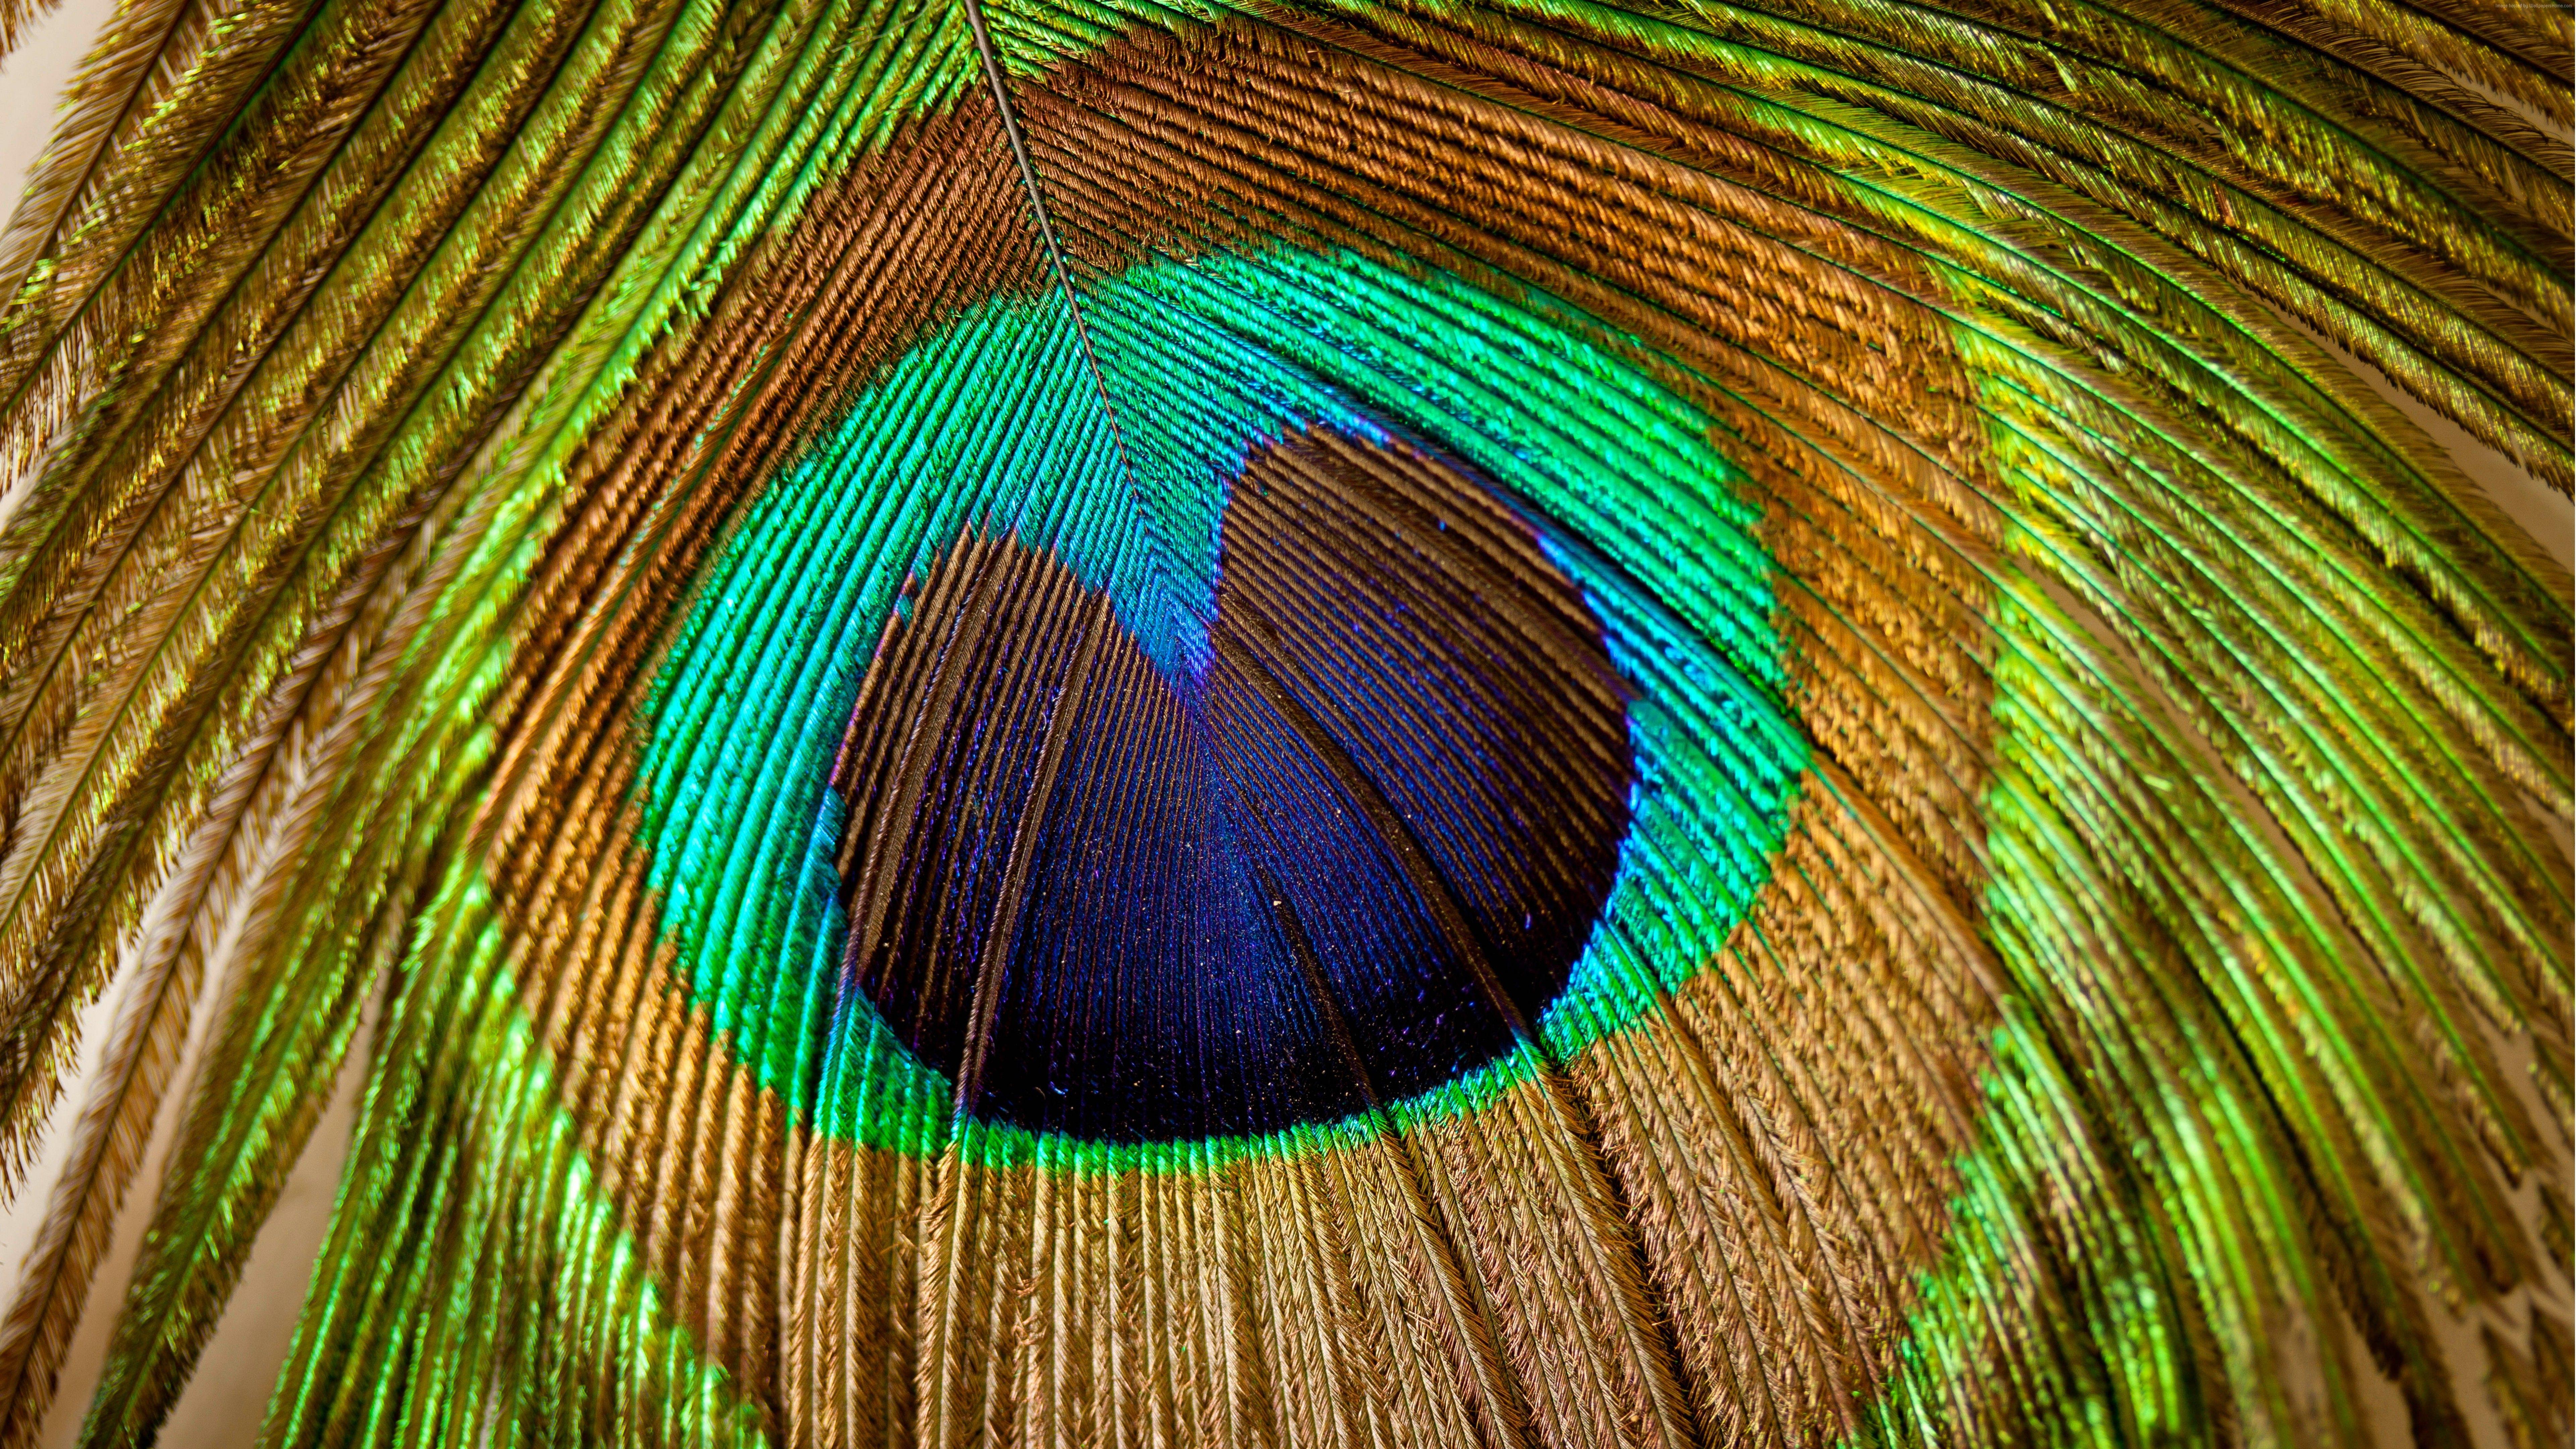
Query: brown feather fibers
[[1755, 1177], [899, 1257]]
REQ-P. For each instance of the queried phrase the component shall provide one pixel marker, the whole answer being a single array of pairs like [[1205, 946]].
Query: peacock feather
[[1362, 723]]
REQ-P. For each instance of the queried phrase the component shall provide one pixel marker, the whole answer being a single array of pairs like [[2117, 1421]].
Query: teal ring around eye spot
[[993, 424]]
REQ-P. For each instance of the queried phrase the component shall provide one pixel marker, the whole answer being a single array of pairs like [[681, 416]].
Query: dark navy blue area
[[1170, 909]]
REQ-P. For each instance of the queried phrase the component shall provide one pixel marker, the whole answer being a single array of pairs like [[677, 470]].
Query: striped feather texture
[[1358, 723]]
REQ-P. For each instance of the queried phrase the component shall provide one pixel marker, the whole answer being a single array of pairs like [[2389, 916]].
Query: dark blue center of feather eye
[[1351, 859]]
